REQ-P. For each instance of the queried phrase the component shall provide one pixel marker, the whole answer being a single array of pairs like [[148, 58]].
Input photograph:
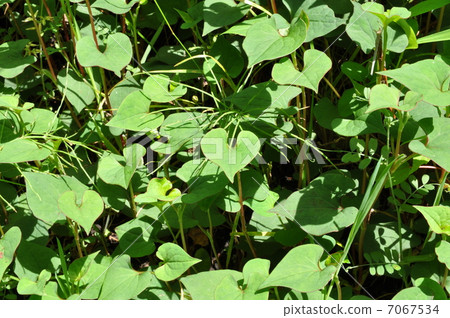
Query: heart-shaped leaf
[[273, 38], [12, 61], [316, 65], [432, 82], [175, 261], [86, 211], [27, 286], [133, 114], [438, 218], [318, 207], [122, 281], [8, 246], [383, 96], [159, 89], [115, 57], [114, 169], [321, 17], [230, 158], [300, 270], [43, 191]]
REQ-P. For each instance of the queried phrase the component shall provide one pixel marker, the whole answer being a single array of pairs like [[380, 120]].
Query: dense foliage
[[221, 149]]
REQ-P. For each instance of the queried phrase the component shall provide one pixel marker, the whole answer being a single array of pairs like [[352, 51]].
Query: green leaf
[[88, 273], [134, 114], [114, 169], [204, 180], [219, 13], [115, 6], [242, 27], [12, 61], [43, 191], [432, 82], [40, 121], [22, 150], [84, 211], [78, 92], [443, 252], [195, 284], [229, 284], [175, 262], [273, 38], [229, 58], [26, 286], [362, 27], [316, 65], [122, 281], [391, 15], [317, 208], [383, 96], [158, 189], [300, 270], [8, 245], [32, 258], [158, 89], [438, 218], [265, 99], [435, 37], [115, 57], [230, 158], [136, 237], [382, 245], [255, 272], [192, 16], [354, 71], [321, 17], [412, 293], [437, 141], [427, 6], [183, 130]]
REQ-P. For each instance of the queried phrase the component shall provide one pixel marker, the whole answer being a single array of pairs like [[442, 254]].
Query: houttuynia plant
[[288, 149]]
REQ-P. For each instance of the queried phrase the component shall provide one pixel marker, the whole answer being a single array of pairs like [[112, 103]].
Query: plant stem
[[41, 41], [211, 242], [91, 19], [231, 243], [74, 227], [180, 222], [243, 222], [274, 6], [133, 204]]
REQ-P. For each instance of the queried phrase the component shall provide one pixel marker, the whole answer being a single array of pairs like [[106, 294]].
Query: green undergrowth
[[221, 149]]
